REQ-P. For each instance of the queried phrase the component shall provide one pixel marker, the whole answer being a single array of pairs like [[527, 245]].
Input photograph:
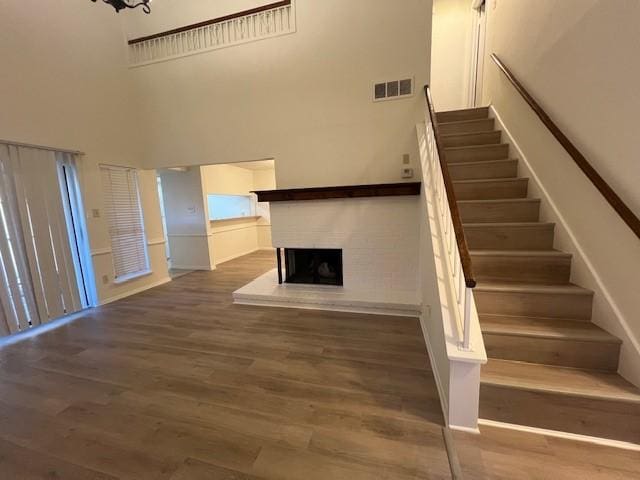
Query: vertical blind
[[38, 279], [124, 217]]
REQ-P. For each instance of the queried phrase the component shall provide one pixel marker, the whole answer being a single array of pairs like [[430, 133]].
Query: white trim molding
[[134, 291]]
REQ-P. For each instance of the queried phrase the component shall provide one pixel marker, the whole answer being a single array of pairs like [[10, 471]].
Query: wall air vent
[[393, 89]]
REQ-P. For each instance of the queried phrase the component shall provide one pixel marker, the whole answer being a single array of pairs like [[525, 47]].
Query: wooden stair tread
[[500, 200], [491, 180], [459, 122], [516, 287], [483, 110], [477, 147], [562, 380], [507, 224], [475, 163], [551, 328], [466, 134], [521, 253]]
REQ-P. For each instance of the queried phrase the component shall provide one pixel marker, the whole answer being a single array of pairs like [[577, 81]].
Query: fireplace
[[319, 266]]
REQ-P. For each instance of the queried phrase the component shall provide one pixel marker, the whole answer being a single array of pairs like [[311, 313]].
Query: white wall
[[63, 83], [451, 53], [579, 59], [187, 219], [575, 56], [264, 180], [304, 98]]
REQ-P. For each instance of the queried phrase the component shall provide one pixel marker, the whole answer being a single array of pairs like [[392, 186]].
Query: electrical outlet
[[407, 173], [105, 279], [406, 159], [95, 213]]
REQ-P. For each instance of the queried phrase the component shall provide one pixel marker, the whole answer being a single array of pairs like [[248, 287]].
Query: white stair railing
[[256, 24], [461, 281]]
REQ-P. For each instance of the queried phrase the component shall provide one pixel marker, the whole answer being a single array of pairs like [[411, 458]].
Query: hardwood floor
[[178, 383], [500, 454]]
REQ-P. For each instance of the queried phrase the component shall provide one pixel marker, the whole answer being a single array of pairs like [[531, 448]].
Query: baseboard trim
[[444, 405], [207, 268], [452, 454], [458, 428], [135, 291], [234, 256], [605, 442]]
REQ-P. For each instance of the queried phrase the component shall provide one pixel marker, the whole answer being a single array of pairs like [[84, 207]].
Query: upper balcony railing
[[258, 23], [448, 217]]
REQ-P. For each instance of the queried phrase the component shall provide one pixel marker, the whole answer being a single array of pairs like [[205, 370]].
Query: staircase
[[549, 366]]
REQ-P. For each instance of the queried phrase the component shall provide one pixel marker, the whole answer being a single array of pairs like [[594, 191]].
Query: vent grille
[[280, 20], [393, 89]]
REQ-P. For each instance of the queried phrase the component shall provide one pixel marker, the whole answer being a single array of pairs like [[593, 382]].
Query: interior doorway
[[77, 229], [210, 214], [478, 37]]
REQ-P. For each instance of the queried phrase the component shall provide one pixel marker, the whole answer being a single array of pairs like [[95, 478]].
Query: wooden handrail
[[463, 249], [583, 164], [213, 21]]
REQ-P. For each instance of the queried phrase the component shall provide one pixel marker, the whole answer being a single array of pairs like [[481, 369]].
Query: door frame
[[478, 41]]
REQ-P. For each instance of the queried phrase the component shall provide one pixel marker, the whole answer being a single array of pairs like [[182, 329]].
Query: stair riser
[[491, 190], [530, 304], [548, 351], [484, 138], [546, 270], [461, 115], [477, 154], [535, 237], [508, 169], [598, 418], [500, 212], [468, 127]]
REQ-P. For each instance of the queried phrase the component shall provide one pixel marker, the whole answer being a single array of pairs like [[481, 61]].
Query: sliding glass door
[[41, 267]]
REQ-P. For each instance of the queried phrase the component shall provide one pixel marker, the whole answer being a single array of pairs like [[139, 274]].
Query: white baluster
[[466, 342]]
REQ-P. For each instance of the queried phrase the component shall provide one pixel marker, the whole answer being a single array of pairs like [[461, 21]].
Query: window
[[126, 225], [222, 207]]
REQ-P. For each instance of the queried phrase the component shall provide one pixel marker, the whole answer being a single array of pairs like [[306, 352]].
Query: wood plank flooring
[[178, 383], [501, 454]]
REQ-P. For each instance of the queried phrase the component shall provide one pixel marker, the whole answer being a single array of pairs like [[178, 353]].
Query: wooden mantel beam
[[344, 191]]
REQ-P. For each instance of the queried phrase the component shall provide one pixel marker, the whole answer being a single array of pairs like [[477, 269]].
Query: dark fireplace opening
[[313, 266]]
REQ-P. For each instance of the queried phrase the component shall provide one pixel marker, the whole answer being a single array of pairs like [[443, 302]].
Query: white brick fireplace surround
[[379, 240]]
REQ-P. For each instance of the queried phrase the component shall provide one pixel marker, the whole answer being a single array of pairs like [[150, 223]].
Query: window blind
[[126, 225]]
